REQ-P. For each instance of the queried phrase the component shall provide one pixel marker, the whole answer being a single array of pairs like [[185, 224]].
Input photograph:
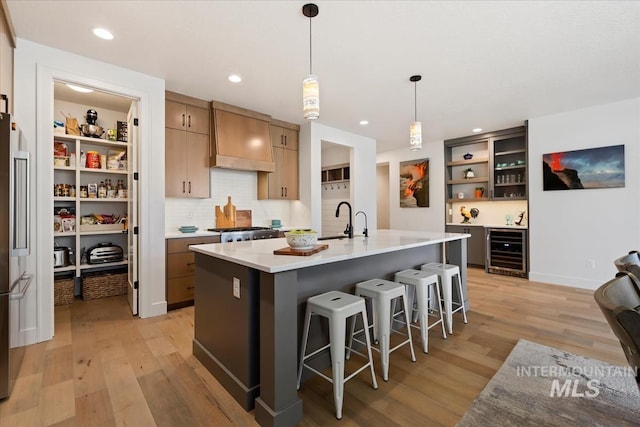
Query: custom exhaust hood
[[240, 139]]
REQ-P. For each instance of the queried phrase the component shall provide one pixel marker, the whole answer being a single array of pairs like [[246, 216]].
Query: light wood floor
[[106, 368]]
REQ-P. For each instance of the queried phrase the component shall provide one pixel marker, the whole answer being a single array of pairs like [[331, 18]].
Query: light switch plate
[[236, 287]]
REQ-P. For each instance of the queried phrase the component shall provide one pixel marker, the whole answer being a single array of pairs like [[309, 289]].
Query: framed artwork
[[601, 167], [414, 184]]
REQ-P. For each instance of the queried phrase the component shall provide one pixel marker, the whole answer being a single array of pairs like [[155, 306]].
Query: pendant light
[[310, 85], [415, 130]]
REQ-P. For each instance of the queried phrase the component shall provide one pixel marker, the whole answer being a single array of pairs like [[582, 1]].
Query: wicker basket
[[104, 285], [63, 291]]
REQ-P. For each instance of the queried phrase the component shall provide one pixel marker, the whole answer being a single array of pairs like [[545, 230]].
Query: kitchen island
[[249, 305]]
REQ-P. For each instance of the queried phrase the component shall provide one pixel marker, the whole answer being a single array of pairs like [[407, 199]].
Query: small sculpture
[[466, 215], [468, 174], [520, 218], [468, 156]]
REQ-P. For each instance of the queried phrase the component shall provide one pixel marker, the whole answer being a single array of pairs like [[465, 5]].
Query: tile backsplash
[[241, 186]]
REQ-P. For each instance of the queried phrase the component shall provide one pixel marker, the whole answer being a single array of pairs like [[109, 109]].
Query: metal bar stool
[[336, 307], [382, 293], [446, 273], [418, 286]]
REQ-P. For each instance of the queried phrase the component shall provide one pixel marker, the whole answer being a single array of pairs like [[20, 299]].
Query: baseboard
[[574, 282]]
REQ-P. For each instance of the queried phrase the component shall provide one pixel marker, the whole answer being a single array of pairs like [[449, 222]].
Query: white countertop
[[180, 235], [258, 254]]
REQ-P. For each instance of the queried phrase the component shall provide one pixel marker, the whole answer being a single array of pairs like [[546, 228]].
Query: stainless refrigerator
[[14, 248]]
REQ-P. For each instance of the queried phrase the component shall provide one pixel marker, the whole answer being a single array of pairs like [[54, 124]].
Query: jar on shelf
[[83, 192]]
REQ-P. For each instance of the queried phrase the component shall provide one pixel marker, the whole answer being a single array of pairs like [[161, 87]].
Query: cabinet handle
[[281, 139], [183, 117], [189, 121], [189, 187], [190, 263], [183, 187], [281, 191], [285, 191], [285, 139]]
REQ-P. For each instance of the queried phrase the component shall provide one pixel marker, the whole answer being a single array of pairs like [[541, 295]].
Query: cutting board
[[306, 252], [243, 218], [226, 217]]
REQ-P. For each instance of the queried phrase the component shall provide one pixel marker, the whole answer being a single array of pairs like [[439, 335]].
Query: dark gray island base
[[250, 344]]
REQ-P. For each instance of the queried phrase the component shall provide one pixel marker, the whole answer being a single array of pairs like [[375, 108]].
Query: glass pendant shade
[[415, 136], [311, 97]]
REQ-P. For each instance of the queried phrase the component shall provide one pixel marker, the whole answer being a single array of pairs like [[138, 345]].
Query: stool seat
[[336, 307], [446, 274], [383, 293], [419, 283]]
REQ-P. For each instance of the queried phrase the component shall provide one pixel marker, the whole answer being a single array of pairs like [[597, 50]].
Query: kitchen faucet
[[366, 226], [349, 229]]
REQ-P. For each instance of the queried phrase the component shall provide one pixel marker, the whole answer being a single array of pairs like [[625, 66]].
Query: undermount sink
[[333, 237]]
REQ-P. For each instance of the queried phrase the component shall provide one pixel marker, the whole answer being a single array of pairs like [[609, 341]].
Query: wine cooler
[[507, 251]]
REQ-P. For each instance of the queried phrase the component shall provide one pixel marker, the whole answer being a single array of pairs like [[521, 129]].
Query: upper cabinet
[[510, 166], [490, 166], [181, 116], [282, 184], [186, 147]]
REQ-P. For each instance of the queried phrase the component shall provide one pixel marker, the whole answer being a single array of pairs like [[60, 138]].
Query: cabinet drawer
[[182, 244], [180, 289], [180, 265]]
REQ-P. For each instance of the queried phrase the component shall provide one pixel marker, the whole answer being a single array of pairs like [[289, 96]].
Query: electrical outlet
[[189, 214], [236, 287], [591, 263]]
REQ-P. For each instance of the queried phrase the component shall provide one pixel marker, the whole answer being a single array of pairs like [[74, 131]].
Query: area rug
[[543, 386]]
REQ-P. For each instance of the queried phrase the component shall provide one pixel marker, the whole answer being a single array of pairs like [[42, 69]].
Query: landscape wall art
[[414, 184], [601, 167]]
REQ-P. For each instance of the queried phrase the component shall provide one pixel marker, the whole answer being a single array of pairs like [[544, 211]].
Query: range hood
[[240, 139]]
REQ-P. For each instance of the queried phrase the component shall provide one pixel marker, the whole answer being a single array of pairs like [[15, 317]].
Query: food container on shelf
[[93, 160]]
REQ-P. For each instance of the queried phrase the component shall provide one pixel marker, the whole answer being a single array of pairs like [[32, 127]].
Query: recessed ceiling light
[[476, 130], [79, 88], [234, 78], [364, 122], [103, 33]]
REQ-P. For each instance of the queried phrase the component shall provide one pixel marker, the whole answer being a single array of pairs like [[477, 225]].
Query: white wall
[[424, 219], [242, 187], [35, 68], [570, 227], [363, 175]]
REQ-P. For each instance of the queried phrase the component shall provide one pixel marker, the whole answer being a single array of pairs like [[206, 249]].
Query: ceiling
[[483, 64]]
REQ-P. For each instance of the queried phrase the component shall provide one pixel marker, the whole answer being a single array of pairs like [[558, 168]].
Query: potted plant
[[479, 192]]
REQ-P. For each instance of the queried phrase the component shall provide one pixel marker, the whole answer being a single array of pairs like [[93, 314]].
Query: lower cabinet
[[475, 244], [180, 270]]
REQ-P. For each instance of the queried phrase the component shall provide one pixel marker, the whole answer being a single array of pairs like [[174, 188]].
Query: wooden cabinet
[[475, 244], [186, 117], [7, 45], [186, 147], [180, 283], [283, 183]]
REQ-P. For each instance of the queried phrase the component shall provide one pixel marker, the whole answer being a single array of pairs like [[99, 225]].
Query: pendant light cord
[[310, 49], [415, 101]]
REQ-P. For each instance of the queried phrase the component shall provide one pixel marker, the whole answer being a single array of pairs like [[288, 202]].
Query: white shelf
[[63, 199], [104, 199], [94, 233], [61, 269], [64, 168], [104, 264], [65, 234], [91, 141], [96, 170]]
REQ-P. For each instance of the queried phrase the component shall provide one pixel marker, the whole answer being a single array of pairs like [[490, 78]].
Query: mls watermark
[[575, 381]]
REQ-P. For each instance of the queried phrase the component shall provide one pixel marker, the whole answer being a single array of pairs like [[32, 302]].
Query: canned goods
[[93, 160]]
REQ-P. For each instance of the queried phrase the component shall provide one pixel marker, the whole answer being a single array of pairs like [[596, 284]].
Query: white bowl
[[299, 241]]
